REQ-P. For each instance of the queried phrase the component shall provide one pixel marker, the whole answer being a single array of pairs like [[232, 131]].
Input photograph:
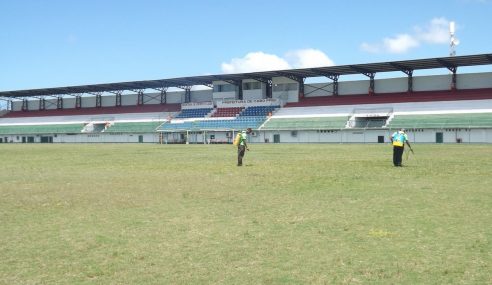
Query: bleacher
[[194, 113], [258, 111], [305, 123], [398, 97], [227, 112], [91, 111], [223, 118], [133, 127], [454, 120], [41, 129], [218, 124]]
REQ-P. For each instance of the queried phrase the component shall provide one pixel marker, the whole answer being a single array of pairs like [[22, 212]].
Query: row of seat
[[194, 113], [238, 123], [306, 123], [468, 120], [227, 112], [258, 111]]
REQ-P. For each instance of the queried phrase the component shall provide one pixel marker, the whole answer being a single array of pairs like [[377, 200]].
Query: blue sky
[[54, 43]]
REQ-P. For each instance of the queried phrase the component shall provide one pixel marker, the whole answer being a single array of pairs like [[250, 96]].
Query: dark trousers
[[397, 155], [240, 154]]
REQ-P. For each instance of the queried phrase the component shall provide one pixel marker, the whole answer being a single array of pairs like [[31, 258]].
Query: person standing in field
[[242, 145], [398, 139]]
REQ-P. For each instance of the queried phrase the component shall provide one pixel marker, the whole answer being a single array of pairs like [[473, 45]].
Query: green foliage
[[294, 214]]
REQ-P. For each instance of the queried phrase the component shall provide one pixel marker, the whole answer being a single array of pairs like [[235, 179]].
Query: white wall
[[353, 87], [474, 80], [254, 94], [392, 85], [432, 83], [201, 95]]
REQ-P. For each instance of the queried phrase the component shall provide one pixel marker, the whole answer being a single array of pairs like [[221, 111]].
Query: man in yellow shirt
[[398, 139]]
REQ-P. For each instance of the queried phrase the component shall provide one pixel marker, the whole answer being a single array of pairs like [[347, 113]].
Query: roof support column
[[59, 102], [140, 98], [98, 100], [335, 83], [118, 99], [240, 90], [42, 104], [163, 95], [369, 73], [453, 78], [268, 85], [409, 72], [371, 76], [25, 105], [269, 89], [187, 89], [188, 94], [239, 85], [299, 80], [78, 102]]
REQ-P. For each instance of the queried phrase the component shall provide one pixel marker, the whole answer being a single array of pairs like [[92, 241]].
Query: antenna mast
[[453, 42]]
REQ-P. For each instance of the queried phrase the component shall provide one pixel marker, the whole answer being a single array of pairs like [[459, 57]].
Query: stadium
[[280, 106], [136, 182]]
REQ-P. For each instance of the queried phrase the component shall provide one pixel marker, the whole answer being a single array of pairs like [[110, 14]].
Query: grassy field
[[294, 214]]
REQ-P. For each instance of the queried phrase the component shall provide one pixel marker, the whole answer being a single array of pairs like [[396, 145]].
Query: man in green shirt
[[242, 146]]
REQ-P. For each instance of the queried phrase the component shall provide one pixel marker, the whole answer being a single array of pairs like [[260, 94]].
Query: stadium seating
[[242, 118], [258, 111], [193, 113], [469, 120], [313, 123], [41, 129], [133, 127], [227, 112], [402, 97], [95, 111]]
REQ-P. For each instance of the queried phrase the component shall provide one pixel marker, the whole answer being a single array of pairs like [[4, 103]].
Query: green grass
[[294, 214]]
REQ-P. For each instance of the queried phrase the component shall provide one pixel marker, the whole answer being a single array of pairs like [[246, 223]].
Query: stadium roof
[[207, 80]]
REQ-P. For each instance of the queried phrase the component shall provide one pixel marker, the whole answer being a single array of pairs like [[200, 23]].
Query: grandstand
[[279, 105]]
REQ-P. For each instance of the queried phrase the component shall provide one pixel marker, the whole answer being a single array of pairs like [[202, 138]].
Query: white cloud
[[260, 61], [435, 32], [400, 44], [255, 61], [371, 48], [306, 58]]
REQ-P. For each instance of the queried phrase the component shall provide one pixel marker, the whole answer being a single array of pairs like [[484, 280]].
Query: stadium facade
[[281, 106]]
